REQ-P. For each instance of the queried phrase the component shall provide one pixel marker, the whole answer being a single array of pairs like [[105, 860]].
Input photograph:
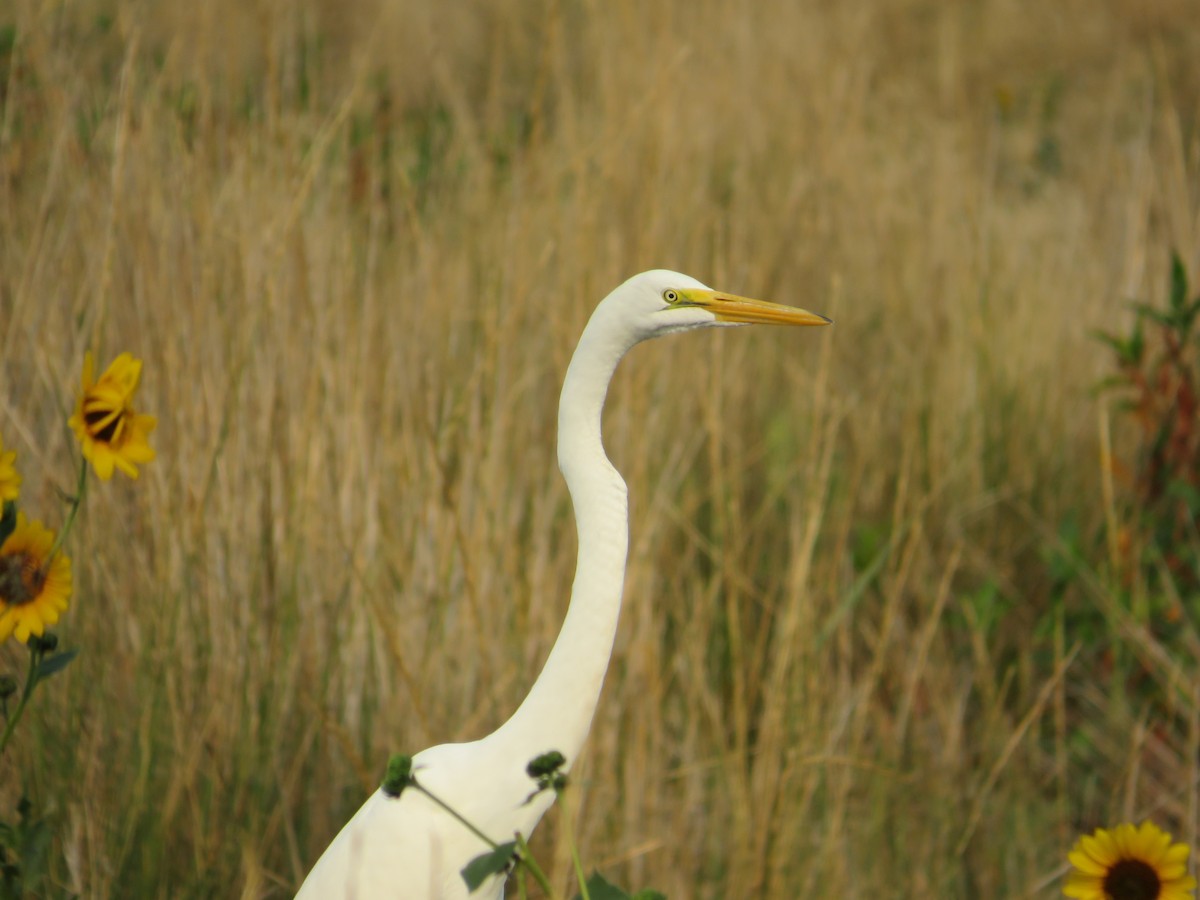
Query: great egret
[[409, 848]]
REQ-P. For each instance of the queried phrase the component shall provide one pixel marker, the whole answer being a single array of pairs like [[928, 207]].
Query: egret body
[[407, 848]]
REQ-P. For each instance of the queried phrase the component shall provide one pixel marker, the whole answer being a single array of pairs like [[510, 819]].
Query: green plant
[[1157, 375], [36, 586], [514, 857]]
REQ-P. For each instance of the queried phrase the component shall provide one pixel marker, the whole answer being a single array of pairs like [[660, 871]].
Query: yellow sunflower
[[111, 432], [1129, 863], [33, 588], [10, 481]]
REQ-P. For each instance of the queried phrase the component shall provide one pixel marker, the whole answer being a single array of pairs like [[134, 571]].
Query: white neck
[[558, 712]]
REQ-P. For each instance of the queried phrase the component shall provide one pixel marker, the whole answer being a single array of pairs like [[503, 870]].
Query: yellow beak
[[743, 310]]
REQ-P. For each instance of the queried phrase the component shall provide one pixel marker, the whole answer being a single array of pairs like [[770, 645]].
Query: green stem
[[440, 802], [569, 825], [30, 683], [76, 502], [526, 859]]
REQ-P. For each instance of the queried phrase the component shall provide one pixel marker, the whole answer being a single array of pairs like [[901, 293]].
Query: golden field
[[875, 640]]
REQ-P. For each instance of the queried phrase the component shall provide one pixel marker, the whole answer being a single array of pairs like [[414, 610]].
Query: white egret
[[407, 847]]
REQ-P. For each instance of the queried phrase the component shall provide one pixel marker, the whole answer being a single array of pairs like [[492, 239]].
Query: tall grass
[[355, 243]]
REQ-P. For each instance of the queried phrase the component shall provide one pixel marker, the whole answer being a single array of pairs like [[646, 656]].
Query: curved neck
[[558, 712]]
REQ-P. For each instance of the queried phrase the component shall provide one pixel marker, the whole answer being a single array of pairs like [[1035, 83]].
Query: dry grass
[[354, 246]]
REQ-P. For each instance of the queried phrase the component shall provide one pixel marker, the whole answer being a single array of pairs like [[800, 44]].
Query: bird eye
[[671, 296]]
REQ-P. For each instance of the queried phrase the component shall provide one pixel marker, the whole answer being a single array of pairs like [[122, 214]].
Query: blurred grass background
[[879, 638]]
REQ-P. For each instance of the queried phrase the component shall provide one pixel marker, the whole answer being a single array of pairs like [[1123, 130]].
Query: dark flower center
[[21, 580], [94, 417], [1132, 879]]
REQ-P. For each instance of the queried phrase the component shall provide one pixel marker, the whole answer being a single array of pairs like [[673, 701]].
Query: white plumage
[[407, 847]]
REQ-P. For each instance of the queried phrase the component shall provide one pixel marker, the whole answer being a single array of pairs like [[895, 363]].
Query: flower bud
[[399, 775], [547, 764], [47, 643]]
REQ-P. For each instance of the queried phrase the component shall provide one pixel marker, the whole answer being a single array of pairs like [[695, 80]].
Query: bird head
[[661, 302]]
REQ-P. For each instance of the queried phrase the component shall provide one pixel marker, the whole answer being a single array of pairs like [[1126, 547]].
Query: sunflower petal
[[1079, 885], [123, 463], [1085, 863], [102, 462], [89, 371], [1178, 853], [1100, 847]]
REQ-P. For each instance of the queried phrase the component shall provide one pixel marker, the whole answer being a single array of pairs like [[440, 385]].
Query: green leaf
[[8, 520], [1128, 350], [54, 664], [24, 854], [1145, 310], [649, 894], [8, 39], [484, 866], [1179, 284], [1137, 345], [35, 854], [599, 889], [1189, 314], [988, 605], [1112, 340], [1188, 494], [1113, 383]]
